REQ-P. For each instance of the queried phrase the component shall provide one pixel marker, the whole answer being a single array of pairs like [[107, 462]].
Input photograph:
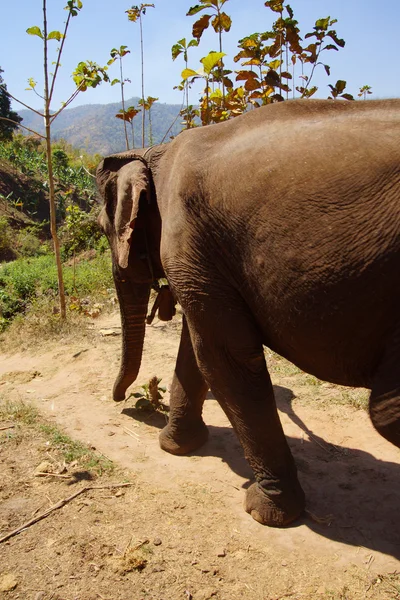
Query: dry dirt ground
[[180, 531]]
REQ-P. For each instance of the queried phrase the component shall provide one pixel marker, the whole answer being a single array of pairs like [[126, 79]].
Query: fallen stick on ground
[[7, 427], [40, 474], [60, 504], [132, 434]]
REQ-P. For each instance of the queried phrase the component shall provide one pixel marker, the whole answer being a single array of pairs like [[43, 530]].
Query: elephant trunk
[[133, 301]]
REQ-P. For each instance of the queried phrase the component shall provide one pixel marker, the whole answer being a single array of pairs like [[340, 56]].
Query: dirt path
[[351, 476]]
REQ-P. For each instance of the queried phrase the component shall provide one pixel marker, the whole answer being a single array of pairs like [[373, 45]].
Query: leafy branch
[[118, 54], [135, 13], [221, 22]]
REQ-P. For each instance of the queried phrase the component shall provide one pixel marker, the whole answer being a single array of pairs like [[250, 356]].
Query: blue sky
[[370, 29]]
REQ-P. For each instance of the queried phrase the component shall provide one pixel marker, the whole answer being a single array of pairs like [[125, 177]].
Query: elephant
[[279, 228]]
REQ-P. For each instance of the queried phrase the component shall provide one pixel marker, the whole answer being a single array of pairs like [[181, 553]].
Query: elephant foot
[[275, 508], [183, 441]]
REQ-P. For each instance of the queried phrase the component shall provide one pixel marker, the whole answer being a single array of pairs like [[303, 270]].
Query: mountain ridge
[[95, 129]]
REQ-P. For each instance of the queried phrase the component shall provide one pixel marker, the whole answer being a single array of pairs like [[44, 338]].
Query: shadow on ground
[[352, 497]]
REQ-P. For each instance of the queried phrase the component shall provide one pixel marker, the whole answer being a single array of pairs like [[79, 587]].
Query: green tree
[[220, 22], [127, 116], [9, 119], [60, 161], [207, 73], [268, 62], [118, 54], [181, 47], [147, 104], [87, 74], [135, 13], [364, 90]]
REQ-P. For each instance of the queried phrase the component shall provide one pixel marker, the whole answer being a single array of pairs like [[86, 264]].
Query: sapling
[[87, 74]]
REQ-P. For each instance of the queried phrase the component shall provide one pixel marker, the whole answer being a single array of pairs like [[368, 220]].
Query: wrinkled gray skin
[[278, 228]]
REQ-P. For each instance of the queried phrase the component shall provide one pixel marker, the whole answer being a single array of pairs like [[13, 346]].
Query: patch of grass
[[279, 365], [18, 412], [72, 451], [24, 414], [391, 583], [343, 594], [355, 397], [311, 380], [29, 301], [6, 236]]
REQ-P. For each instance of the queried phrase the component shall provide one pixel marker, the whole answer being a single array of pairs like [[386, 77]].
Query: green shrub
[[102, 244], [6, 235], [28, 243], [80, 231], [25, 280]]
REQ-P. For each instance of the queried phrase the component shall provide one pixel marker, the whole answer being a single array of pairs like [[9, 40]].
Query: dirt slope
[[346, 546]]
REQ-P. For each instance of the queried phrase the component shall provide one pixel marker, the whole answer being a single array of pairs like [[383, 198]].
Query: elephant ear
[[133, 182], [122, 187]]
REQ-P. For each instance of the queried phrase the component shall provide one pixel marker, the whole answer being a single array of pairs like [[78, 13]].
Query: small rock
[[40, 596], [8, 582], [109, 332], [157, 542], [44, 467], [284, 563]]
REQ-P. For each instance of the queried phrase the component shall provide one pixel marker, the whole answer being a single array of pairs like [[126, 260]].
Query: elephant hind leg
[[384, 403], [229, 352]]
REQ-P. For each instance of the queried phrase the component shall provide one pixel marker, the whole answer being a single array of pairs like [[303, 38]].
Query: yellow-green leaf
[[216, 94], [35, 31], [186, 73], [211, 60], [31, 83], [194, 10], [55, 35], [274, 64]]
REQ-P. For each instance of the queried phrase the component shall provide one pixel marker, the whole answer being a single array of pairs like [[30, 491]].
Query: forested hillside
[[95, 129]]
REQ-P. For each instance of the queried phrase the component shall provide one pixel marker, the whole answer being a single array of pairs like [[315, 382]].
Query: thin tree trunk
[[53, 224], [133, 134], [221, 70], [187, 87], [150, 129], [123, 102], [142, 60]]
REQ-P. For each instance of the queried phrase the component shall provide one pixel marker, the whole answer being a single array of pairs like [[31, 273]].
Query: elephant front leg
[[186, 430], [230, 355]]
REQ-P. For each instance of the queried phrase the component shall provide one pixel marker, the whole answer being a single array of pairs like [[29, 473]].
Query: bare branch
[[23, 104], [60, 504], [23, 126], [59, 57], [67, 103]]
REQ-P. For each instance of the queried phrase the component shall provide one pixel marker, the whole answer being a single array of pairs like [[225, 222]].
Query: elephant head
[[132, 224]]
